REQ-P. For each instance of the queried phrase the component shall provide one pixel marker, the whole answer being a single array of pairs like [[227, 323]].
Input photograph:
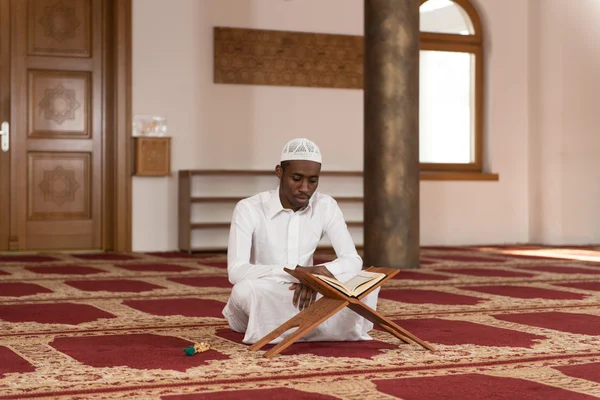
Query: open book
[[355, 286]]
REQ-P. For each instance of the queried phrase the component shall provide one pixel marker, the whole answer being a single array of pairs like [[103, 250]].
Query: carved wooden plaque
[[59, 27], [152, 156], [59, 104], [281, 58], [59, 186]]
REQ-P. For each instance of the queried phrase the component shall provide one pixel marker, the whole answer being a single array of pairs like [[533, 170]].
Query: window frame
[[473, 44]]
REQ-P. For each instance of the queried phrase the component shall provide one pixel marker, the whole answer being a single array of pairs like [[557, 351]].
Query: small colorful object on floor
[[196, 348]]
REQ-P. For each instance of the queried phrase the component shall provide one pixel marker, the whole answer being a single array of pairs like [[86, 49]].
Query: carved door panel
[[4, 116], [57, 125]]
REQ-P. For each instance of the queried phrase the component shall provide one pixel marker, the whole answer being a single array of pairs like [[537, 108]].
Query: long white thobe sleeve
[[239, 250], [348, 262]]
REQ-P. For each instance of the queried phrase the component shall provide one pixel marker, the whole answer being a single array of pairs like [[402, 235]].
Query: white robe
[[264, 238], [256, 307]]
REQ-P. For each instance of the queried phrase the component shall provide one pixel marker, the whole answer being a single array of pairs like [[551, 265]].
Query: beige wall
[[565, 134], [235, 126]]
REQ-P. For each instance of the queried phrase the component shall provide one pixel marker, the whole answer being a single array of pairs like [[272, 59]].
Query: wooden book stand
[[332, 302]]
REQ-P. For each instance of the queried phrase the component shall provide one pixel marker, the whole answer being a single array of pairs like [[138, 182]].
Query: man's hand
[[304, 296]]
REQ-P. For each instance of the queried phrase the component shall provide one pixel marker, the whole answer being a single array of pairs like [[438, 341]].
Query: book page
[[335, 283], [363, 278], [355, 286]]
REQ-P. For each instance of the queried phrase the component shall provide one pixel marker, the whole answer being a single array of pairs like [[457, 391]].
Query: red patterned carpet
[[507, 323]]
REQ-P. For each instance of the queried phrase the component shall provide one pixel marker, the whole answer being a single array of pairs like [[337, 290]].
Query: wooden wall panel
[[59, 186], [152, 156], [59, 27], [59, 104], [281, 58]]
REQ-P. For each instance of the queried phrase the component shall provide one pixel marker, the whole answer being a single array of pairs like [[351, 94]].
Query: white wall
[[564, 162], [236, 126], [491, 212]]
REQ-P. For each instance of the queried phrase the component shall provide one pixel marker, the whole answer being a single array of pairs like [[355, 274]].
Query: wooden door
[[4, 117], [57, 124]]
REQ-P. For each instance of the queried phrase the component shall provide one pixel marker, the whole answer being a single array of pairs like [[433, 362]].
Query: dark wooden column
[[391, 133]]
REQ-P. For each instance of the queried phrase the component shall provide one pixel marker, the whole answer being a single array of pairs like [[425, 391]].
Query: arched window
[[451, 86]]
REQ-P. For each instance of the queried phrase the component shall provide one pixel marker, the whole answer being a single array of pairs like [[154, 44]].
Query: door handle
[[5, 133]]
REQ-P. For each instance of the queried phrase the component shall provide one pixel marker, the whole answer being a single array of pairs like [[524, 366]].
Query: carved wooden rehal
[[281, 58]]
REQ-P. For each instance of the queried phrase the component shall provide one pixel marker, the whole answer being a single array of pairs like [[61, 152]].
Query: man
[[282, 228]]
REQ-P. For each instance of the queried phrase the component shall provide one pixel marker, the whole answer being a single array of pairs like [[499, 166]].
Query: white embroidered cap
[[301, 149]]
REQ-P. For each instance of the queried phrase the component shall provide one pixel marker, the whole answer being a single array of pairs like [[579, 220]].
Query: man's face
[[299, 180]]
